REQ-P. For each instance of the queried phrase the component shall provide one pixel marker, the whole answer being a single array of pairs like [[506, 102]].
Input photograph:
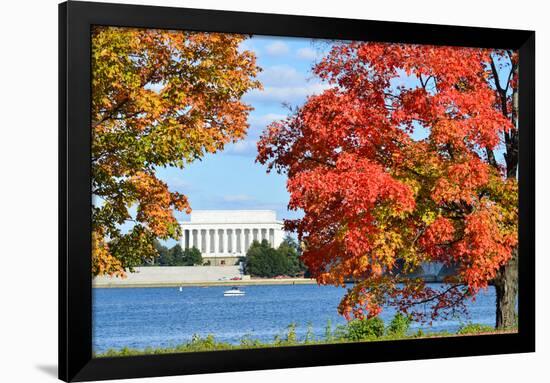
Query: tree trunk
[[506, 281], [506, 286]]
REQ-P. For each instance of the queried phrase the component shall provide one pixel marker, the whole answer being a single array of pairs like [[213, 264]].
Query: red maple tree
[[411, 156]]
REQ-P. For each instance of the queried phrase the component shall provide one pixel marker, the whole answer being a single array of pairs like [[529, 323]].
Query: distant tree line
[[262, 260], [176, 256]]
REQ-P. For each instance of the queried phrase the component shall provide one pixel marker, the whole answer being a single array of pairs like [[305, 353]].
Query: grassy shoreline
[[371, 330]]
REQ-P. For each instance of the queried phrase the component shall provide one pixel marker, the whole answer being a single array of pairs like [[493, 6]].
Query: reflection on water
[[160, 317]]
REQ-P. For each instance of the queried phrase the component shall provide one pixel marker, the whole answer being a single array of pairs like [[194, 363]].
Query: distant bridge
[[433, 271]]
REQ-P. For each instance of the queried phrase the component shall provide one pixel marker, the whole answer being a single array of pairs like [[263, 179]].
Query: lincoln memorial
[[224, 235]]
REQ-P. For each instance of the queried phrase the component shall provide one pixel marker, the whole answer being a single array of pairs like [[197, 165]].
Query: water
[[162, 317]]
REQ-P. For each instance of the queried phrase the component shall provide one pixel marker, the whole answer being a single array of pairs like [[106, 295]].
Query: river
[[161, 317]]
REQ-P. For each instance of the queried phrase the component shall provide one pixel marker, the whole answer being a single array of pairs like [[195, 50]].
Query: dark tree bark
[[506, 286], [506, 281]]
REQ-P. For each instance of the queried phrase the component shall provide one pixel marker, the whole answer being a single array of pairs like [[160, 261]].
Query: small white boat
[[234, 292]]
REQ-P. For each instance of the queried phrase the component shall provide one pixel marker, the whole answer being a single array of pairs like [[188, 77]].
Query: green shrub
[[474, 328], [419, 334], [310, 337], [204, 344], [399, 325], [248, 342], [364, 329], [328, 331], [291, 334], [288, 339]]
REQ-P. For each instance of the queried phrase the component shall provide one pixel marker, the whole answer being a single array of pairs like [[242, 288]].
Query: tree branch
[[437, 296]]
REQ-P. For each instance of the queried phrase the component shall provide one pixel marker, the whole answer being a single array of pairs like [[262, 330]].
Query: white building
[[224, 235]]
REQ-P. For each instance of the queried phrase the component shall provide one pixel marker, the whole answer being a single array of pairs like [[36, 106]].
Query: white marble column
[[191, 238], [224, 231], [216, 242], [241, 242], [207, 237], [234, 241], [271, 236], [250, 238], [228, 240], [279, 236], [199, 239]]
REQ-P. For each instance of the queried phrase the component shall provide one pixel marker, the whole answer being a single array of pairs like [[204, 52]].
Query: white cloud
[[265, 119], [259, 123], [277, 48], [176, 183], [244, 201], [286, 94], [248, 146], [307, 54], [242, 148], [281, 75]]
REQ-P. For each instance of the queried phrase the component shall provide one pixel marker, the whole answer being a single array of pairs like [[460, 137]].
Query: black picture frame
[[75, 281]]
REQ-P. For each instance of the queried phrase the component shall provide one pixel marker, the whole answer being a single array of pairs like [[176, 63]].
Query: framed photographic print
[[250, 191]]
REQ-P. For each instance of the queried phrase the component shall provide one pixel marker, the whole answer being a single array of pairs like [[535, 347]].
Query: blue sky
[[231, 179]]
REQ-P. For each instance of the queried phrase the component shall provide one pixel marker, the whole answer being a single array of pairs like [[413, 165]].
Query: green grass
[[474, 328], [368, 330]]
